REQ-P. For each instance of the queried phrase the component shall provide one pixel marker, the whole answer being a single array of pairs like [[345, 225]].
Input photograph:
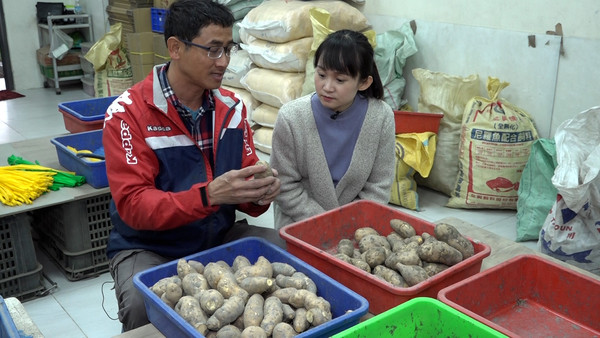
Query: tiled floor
[[87, 308]]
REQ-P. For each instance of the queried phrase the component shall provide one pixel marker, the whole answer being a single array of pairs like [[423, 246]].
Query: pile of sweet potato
[[263, 299], [403, 258]]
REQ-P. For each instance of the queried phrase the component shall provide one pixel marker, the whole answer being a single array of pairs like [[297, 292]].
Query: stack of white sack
[[278, 37]]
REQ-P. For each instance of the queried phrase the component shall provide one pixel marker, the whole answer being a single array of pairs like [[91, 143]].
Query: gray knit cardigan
[[306, 185]]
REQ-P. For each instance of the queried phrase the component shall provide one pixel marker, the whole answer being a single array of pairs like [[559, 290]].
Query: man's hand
[[240, 186]]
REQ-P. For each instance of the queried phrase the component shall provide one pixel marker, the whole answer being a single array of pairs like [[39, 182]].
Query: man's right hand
[[240, 186]]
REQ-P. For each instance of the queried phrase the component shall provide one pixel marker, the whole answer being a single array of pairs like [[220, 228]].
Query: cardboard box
[[140, 42], [161, 53], [71, 58], [140, 71], [163, 3], [131, 3], [134, 20], [140, 47]]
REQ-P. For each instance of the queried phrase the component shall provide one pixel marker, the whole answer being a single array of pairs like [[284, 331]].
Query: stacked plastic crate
[[75, 235], [20, 273]]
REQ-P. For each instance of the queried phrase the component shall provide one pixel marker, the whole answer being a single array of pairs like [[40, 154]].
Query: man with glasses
[[180, 158]]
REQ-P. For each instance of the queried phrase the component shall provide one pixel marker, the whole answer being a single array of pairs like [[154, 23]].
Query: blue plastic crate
[[94, 172], [85, 115], [8, 329], [347, 307], [158, 19]]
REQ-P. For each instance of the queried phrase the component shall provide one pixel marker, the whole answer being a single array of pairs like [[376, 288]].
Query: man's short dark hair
[[185, 18]]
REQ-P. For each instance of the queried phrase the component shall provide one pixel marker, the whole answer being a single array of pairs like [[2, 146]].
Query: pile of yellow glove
[[23, 181]]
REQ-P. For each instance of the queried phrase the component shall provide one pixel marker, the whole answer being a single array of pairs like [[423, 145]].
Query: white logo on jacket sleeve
[[126, 143], [116, 106], [246, 143]]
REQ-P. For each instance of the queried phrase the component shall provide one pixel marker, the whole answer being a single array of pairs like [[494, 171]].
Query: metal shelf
[[74, 22]]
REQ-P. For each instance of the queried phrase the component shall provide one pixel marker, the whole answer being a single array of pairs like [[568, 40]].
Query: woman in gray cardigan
[[336, 145]]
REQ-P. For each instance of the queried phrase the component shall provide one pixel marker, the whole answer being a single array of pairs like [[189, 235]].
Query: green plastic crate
[[48, 71], [420, 317]]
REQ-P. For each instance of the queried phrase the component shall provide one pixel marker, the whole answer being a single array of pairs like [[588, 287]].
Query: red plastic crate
[[415, 122], [85, 115], [529, 296], [75, 125], [315, 240]]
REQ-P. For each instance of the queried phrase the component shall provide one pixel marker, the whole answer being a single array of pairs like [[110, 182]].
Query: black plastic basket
[[48, 8]]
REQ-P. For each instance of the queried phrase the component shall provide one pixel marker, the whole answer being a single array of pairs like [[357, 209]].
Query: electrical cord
[[102, 291]]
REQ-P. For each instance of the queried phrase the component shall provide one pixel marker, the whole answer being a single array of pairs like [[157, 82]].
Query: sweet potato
[[439, 252], [370, 241], [361, 264], [412, 274], [254, 332], [266, 173], [189, 309], [300, 324], [232, 308], [280, 268], [172, 294], [198, 266], [256, 284], [417, 239], [405, 256], [317, 316], [160, 286], [183, 268], [229, 331], [273, 314], [285, 294], [345, 246], [229, 287], [306, 299], [389, 275], [213, 272], [309, 284], [396, 241], [283, 330], [403, 228], [239, 322], [362, 232], [239, 262], [427, 237], [343, 257], [449, 234], [433, 269], [290, 282], [375, 256], [193, 283], [210, 300], [254, 310], [262, 268], [288, 312]]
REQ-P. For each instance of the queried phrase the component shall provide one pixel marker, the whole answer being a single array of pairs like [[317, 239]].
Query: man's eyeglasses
[[215, 52]]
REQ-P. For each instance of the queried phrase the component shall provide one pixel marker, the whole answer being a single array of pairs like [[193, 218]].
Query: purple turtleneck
[[338, 135]]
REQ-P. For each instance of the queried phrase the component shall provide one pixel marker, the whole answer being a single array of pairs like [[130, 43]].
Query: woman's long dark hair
[[349, 52]]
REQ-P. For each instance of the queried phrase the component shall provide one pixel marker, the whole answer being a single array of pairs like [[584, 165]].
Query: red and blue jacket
[[158, 175]]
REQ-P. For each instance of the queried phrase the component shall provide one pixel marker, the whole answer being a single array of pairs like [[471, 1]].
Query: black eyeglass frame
[[227, 50]]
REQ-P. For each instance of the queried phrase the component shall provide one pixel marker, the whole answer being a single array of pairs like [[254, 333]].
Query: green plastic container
[[420, 317]]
